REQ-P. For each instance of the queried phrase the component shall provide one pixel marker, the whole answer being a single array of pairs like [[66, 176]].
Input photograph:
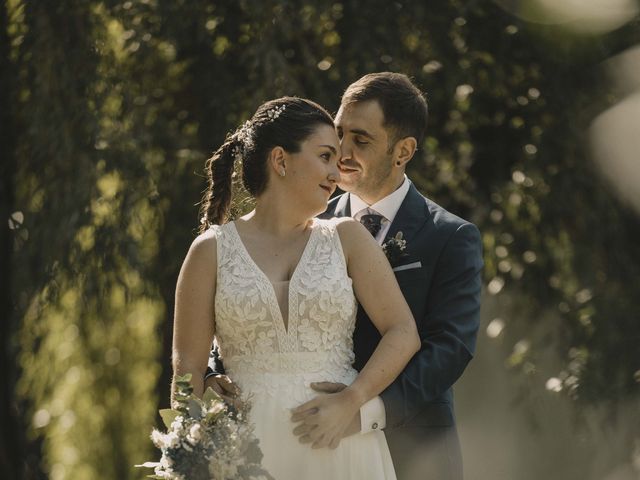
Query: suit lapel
[[411, 216]]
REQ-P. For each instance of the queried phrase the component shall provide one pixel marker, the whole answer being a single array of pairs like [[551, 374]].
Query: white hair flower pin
[[275, 112]]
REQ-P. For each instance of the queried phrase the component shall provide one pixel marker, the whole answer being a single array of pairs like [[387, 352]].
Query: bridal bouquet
[[206, 439]]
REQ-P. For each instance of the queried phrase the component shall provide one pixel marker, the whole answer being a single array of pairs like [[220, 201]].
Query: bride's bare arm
[[193, 327], [378, 292]]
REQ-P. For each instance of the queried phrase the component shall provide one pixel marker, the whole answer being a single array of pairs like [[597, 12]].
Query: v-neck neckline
[[286, 328]]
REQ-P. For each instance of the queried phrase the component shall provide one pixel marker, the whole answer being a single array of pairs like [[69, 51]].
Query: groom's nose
[[346, 151]]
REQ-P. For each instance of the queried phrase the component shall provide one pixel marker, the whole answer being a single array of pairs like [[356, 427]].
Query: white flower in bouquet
[[195, 433]]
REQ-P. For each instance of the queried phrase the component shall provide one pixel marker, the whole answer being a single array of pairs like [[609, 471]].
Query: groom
[[381, 123]]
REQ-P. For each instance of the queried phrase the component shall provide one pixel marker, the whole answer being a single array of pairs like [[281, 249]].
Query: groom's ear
[[277, 160], [404, 150]]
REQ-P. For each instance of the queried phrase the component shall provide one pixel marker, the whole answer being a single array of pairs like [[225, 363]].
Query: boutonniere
[[394, 248]]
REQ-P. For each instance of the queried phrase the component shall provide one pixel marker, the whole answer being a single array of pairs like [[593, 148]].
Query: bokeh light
[[583, 16]]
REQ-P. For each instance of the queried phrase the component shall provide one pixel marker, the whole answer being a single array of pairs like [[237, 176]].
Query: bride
[[277, 288]]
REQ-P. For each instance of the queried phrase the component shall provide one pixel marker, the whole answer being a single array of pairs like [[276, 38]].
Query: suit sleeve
[[448, 331], [215, 365]]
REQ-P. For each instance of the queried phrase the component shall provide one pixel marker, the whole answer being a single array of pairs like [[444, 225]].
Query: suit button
[[374, 426]]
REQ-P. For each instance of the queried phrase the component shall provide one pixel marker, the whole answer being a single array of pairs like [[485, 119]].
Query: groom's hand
[[307, 431], [333, 387], [328, 387]]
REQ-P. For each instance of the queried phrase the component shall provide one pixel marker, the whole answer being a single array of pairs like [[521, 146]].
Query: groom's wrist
[[356, 395]]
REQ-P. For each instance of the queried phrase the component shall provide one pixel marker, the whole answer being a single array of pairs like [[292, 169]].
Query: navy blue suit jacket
[[444, 297]]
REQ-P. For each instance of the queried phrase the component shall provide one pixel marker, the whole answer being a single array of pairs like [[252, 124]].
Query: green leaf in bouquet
[[184, 389], [194, 407], [183, 385], [186, 378], [181, 397], [168, 416], [211, 396]]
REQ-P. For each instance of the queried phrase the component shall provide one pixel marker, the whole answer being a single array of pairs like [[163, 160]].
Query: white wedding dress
[[274, 365]]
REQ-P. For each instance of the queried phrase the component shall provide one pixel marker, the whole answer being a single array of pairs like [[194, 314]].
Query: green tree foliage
[[9, 424], [114, 106], [89, 340]]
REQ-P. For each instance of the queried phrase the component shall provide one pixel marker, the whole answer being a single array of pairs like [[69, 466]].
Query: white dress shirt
[[387, 207], [372, 413]]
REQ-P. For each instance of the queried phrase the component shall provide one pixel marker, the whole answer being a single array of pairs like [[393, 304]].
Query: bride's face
[[312, 174]]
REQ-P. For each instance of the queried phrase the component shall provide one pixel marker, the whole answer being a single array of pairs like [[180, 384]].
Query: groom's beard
[[368, 181]]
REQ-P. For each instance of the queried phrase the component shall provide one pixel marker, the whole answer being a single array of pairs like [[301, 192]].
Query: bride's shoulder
[[209, 236], [351, 234], [335, 224], [342, 220], [200, 264], [204, 247], [348, 229]]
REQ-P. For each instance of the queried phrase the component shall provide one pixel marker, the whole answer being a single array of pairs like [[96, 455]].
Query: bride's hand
[[224, 386], [326, 419]]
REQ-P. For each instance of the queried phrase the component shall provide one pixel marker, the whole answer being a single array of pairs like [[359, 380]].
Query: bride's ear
[[404, 150], [277, 161]]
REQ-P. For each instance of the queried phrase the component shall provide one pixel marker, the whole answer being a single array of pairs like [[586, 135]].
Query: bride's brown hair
[[285, 122]]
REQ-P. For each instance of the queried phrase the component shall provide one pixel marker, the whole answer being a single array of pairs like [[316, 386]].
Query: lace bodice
[[251, 335]]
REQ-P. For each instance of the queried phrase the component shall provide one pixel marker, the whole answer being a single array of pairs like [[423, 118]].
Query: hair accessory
[[245, 134], [275, 112], [244, 140]]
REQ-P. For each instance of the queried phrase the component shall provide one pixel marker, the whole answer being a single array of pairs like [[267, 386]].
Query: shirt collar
[[387, 207]]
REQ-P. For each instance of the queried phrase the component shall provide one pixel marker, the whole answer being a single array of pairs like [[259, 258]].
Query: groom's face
[[366, 165]]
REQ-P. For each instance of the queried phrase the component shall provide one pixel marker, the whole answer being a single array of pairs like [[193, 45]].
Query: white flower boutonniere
[[394, 248]]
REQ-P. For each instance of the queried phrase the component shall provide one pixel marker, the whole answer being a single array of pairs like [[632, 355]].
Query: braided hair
[[285, 122]]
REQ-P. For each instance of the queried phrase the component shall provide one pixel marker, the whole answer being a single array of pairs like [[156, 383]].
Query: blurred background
[[108, 110]]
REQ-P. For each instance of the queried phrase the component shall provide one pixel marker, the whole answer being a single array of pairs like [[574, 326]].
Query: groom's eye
[[360, 141]]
